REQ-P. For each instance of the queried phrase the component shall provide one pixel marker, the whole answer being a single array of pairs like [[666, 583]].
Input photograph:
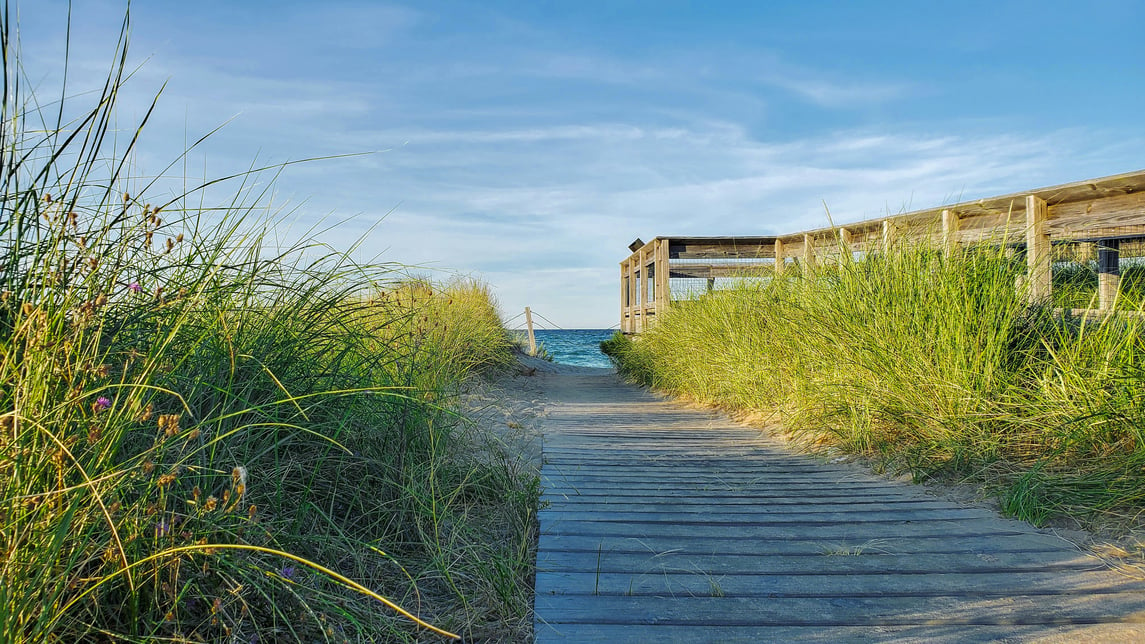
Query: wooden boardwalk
[[667, 524]]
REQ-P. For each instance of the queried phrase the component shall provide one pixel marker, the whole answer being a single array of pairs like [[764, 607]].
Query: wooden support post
[[529, 325], [643, 287], [653, 276], [889, 231], [949, 232], [779, 258], [845, 252], [1038, 251], [624, 296], [662, 276], [633, 295], [808, 254], [1108, 273]]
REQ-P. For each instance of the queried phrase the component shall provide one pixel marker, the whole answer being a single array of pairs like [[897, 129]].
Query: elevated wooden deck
[[671, 524], [1100, 217]]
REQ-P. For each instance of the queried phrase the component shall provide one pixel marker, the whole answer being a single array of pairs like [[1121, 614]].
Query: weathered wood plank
[[610, 503], [814, 564], [779, 530], [930, 633], [730, 516], [930, 584], [845, 611]]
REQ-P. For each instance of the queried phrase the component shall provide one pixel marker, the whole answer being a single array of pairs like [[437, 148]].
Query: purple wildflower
[[135, 287], [102, 403], [288, 572], [162, 529]]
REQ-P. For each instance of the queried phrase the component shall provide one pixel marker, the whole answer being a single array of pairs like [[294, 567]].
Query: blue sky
[[527, 143]]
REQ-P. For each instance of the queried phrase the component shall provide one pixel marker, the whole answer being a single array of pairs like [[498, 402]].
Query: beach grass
[[205, 436], [928, 364]]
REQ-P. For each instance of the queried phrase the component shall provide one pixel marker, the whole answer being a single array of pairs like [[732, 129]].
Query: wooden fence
[[1096, 218]]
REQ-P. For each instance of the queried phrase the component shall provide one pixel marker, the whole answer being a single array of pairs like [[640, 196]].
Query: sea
[[580, 347]]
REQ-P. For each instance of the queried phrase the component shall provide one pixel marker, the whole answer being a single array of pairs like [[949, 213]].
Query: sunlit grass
[[929, 364]]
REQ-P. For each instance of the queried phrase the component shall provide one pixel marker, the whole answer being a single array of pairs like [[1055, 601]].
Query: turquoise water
[[580, 347]]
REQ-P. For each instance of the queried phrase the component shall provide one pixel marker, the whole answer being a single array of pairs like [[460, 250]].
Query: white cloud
[[541, 187]]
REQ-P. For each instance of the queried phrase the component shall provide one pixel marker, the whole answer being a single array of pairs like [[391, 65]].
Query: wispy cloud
[[513, 154]]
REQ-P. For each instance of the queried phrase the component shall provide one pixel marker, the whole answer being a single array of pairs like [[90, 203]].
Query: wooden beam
[[719, 247], [808, 253], [709, 270], [949, 232], [845, 252], [1038, 257], [779, 258]]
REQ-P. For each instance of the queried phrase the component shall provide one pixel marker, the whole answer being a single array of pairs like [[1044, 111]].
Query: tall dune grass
[[204, 437], [927, 363]]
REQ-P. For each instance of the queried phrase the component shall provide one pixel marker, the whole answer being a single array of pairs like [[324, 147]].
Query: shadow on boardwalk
[[669, 524]]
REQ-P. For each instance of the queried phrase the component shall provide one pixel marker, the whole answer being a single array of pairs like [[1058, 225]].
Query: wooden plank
[[936, 529], [1074, 219], [728, 518], [951, 542], [715, 505], [780, 257], [808, 253], [652, 488], [999, 563], [763, 477], [720, 247], [931, 584], [844, 611], [705, 271], [607, 496], [930, 633]]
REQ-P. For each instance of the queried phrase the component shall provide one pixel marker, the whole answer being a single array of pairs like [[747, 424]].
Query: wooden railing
[[1099, 216]]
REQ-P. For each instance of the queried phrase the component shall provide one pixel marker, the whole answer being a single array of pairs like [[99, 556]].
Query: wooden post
[[653, 276], [631, 296], [1108, 273], [889, 231], [845, 252], [949, 232], [808, 253], [664, 299], [779, 258], [1038, 256], [624, 296], [643, 287], [529, 325]]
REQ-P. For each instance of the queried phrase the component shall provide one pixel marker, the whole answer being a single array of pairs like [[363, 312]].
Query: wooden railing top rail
[[1108, 210], [1101, 208]]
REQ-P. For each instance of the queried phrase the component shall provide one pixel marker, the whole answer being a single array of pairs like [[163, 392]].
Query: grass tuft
[[207, 437]]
